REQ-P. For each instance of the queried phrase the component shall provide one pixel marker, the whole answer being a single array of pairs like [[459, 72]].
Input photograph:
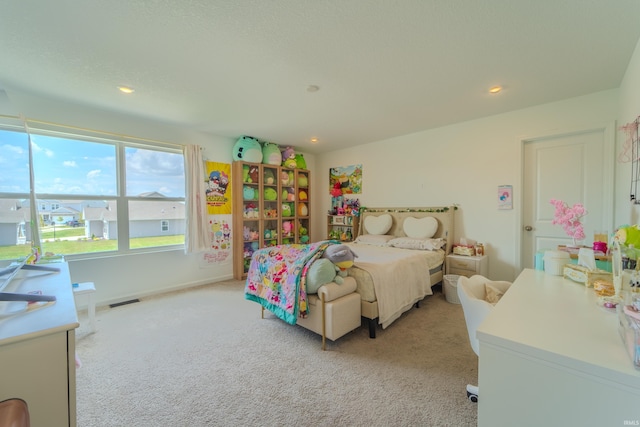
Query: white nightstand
[[467, 265]]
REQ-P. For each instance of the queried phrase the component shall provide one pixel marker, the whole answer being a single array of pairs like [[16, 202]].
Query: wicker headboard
[[444, 215]]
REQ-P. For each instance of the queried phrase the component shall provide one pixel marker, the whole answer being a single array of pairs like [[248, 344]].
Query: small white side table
[[88, 289]]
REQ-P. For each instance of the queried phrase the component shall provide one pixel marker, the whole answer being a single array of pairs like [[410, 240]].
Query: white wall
[[625, 212], [464, 164]]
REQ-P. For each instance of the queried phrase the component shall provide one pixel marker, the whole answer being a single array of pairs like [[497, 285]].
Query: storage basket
[[450, 288]]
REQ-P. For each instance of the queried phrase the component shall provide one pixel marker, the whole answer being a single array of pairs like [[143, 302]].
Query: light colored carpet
[[204, 357]]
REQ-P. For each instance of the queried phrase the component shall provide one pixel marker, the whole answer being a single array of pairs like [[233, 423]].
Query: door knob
[[528, 228]]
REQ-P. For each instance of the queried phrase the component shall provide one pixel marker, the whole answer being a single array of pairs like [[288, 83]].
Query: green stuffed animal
[[286, 209], [270, 194], [321, 272], [301, 163], [245, 173], [342, 257], [269, 177]]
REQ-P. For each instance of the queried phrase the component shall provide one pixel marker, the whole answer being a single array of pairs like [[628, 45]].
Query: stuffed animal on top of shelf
[[301, 163], [247, 149], [289, 158], [271, 154]]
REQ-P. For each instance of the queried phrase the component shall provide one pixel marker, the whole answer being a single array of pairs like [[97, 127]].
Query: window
[[91, 194]]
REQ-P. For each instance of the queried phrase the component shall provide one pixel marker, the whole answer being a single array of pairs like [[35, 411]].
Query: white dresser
[[550, 356], [37, 350]]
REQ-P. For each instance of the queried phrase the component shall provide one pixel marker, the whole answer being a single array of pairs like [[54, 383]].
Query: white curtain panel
[[197, 238]]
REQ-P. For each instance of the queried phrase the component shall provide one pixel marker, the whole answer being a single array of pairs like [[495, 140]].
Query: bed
[[392, 279]]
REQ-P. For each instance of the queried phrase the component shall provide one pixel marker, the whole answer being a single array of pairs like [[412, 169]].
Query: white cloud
[[94, 173], [70, 164]]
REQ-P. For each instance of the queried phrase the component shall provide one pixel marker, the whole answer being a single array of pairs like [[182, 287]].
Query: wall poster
[[218, 195], [349, 179]]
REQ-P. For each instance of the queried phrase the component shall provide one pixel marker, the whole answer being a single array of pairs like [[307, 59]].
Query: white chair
[[472, 292]]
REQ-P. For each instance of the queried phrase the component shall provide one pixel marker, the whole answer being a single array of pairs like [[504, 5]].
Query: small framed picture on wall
[[505, 197]]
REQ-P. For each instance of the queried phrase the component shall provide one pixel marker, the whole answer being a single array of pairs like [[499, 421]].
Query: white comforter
[[400, 276]]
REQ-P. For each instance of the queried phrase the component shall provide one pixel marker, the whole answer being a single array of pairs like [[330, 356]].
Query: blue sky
[[67, 166]]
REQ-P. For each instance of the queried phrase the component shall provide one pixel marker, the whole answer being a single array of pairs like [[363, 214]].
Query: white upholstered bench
[[334, 311]]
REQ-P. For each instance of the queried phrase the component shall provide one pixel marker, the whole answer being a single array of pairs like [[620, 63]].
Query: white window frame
[[122, 200]]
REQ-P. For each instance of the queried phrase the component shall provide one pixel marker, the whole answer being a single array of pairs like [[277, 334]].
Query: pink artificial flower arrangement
[[569, 218]]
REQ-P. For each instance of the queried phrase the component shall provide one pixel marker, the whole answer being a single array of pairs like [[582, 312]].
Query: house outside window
[[92, 195]]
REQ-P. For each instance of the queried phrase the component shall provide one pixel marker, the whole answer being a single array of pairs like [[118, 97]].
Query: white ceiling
[[384, 67]]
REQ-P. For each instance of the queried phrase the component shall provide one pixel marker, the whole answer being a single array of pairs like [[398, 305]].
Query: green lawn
[[69, 247]]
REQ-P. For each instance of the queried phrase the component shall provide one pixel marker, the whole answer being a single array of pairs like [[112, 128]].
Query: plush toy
[[248, 193], [269, 178], [271, 154], [303, 180], [321, 272], [289, 158], [331, 267], [267, 234], [284, 178], [303, 210], [247, 250], [304, 234], [253, 174], [287, 228], [245, 232], [302, 195], [628, 235], [245, 173], [286, 209], [250, 211], [290, 194], [247, 149], [342, 256], [253, 235], [301, 163], [270, 194]]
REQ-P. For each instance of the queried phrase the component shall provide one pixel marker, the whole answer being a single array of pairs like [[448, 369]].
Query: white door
[[575, 167]]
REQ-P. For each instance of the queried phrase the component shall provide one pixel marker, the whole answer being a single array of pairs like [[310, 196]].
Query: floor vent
[[118, 304]]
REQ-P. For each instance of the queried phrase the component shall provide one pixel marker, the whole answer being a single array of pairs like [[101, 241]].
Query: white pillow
[[420, 244], [420, 228], [374, 239], [378, 224]]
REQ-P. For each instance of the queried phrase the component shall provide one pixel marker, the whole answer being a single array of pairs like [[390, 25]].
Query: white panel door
[[575, 168]]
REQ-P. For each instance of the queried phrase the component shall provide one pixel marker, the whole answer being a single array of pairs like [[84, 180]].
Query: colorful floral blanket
[[276, 278]]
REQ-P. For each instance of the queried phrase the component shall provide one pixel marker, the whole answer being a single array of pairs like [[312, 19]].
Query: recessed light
[[495, 89], [126, 89], [313, 88], [314, 140]]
